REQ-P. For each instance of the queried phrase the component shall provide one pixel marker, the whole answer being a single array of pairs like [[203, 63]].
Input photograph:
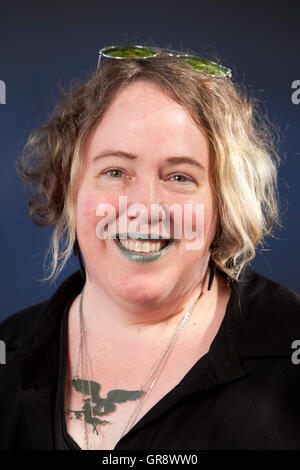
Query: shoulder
[[39, 324], [263, 296], [258, 290], [13, 327], [269, 314]]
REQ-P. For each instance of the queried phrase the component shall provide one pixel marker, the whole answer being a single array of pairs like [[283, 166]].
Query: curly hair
[[244, 158]]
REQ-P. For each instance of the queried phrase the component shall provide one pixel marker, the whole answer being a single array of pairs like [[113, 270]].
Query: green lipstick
[[143, 257]]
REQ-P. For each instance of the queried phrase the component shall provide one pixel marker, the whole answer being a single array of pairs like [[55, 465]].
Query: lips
[[143, 247], [142, 236]]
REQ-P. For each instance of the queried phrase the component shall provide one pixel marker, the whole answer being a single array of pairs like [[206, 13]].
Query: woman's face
[[150, 152]]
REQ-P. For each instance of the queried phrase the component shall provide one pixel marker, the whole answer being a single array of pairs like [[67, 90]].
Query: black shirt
[[63, 441], [243, 394]]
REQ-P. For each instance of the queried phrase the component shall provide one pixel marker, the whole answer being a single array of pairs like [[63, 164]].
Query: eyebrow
[[131, 156]]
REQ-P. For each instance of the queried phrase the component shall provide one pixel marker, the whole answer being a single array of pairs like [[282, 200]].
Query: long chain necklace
[[145, 389]]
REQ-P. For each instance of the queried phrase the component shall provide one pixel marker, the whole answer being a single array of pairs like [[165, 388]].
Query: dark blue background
[[46, 43]]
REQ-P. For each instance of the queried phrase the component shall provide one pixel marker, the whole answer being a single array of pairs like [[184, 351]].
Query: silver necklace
[[146, 388]]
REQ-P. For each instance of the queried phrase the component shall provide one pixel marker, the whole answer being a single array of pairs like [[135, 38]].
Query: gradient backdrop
[[43, 44]]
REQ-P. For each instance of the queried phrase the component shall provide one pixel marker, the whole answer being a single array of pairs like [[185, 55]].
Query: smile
[[143, 248]]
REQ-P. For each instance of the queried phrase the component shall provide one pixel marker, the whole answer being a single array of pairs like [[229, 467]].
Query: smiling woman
[[157, 342], [152, 128]]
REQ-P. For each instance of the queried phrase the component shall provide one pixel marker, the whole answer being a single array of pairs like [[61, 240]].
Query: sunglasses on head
[[204, 66]]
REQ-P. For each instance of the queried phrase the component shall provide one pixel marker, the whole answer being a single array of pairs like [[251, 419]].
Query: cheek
[[193, 215], [199, 223], [197, 217], [87, 203]]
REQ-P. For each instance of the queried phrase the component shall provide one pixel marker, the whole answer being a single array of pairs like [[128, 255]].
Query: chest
[[127, 382], [116, 399]]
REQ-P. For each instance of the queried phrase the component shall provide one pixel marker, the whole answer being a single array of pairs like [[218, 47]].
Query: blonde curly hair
[[244, 159]]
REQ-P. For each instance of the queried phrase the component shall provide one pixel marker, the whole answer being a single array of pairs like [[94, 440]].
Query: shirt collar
[[242, 334], [254, 323], [46, 325]]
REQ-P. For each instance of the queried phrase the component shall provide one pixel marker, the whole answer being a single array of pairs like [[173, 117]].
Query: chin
[[143, 293]]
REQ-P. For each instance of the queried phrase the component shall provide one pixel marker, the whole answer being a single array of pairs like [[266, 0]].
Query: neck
[[112, 314]]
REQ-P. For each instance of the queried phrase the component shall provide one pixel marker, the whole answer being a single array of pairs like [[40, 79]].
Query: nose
[[145, 201]]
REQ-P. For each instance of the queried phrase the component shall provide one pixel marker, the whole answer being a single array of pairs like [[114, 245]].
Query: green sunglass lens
[[206, 66], [128, 52]]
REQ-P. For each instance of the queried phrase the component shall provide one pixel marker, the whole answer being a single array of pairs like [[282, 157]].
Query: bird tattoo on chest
[[94, 406]]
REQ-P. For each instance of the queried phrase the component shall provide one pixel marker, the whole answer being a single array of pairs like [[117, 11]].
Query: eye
[[114, 173], [181, 178]]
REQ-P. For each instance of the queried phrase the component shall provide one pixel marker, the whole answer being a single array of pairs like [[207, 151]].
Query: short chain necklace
[[142, 394]]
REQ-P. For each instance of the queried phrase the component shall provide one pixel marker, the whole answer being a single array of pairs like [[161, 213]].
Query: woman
[[156, 343]]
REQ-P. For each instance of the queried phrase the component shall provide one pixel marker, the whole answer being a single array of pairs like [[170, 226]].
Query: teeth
[[141, 246]]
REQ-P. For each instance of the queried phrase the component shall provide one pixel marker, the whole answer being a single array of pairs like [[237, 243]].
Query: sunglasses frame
[[157, 52]]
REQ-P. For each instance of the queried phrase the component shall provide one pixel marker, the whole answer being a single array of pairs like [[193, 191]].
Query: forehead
[[142, 118]]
